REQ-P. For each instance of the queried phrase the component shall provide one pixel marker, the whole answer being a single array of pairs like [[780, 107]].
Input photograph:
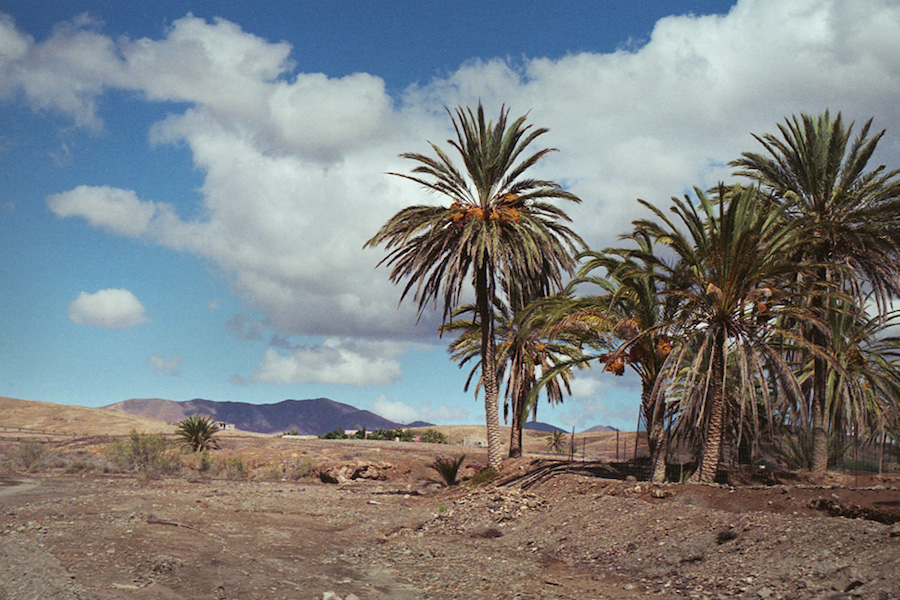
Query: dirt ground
[[543, 529]]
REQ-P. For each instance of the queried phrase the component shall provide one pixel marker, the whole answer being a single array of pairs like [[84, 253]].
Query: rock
[[726, 535], [349, 471], [895, 530], [483, 529], [330, 596], [660, 493]]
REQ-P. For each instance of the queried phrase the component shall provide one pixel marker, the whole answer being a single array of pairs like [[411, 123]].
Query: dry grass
[[26, 417]]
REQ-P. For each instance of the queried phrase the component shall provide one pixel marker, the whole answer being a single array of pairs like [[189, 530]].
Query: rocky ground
[[538, 531]]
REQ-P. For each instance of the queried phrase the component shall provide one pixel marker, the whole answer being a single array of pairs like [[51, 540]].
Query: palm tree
[[627, 324], [642, 317], [499, 225], [852, 214], [198, 433], [524, 351], [863, 380], [730, 278]]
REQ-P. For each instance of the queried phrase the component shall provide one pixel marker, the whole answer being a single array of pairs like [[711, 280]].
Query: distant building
[[223, 426]]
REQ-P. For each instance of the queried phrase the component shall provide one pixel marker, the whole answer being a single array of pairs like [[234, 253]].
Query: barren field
[[543, 529]]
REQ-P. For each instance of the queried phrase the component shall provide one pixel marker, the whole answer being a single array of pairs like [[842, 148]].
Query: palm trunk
[[820, 373], [516, 425], [657, 440], [820, 431], [712, 446], [489, 369]]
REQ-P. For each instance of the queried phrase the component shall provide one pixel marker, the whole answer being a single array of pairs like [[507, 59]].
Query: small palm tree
[[198, 433], [448, 468], [556, 441], [499, 225]]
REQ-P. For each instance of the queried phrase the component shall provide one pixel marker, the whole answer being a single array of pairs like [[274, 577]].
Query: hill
[[309, 417], [16, 414]]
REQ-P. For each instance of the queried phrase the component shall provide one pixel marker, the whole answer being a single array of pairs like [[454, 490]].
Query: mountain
[[538, 426], [599, 429], [308, 417]]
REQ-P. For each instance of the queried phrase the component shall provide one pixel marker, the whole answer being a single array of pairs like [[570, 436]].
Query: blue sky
[[186, 186]]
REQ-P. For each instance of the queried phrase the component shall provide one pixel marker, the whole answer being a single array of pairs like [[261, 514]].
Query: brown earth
[[543, 529]]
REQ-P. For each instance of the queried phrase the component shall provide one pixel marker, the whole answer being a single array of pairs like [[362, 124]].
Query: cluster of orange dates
[[615, 363], [459, 212]]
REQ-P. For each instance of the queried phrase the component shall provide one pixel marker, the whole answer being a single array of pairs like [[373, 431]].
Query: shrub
[[299, 470], [232, 468], [484, 476], [145, 453], [796, 451], [200, 462], [198, 433], [270, 472], [434, 437], [448, 468], [337, 434], [31, 455], [404, 435]]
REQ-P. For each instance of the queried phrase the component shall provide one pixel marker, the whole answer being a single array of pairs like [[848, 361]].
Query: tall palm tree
[[851, 211], [499, 224], [730, 277]]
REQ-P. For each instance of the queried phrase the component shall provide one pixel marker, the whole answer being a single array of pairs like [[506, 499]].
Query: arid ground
[[543, 529]]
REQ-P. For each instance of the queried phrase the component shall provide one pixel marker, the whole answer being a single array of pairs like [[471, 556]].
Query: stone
[[660, 493]]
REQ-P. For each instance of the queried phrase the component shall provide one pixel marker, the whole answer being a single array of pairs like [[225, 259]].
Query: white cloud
[[584, 387], [111, 308], [401, 412], [294, 163], [394, 410], [165, 366], [119, 211], [443, 413], [338, 361]]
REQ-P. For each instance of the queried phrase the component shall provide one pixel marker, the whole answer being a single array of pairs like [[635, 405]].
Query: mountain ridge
[[315, 416]]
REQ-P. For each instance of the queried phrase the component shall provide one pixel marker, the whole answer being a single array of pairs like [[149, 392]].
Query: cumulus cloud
[[165, 366], [110, 308], [401, 412], [339, 361], [116, 210], [294, 163], [394, 410]]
